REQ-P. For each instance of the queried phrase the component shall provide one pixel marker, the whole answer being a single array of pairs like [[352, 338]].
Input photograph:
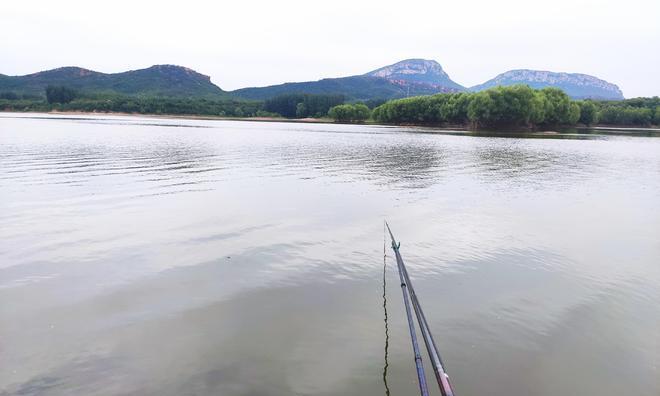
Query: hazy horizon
[[258, 44]]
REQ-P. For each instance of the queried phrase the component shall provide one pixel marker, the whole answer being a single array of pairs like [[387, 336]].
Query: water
[[189, 257]]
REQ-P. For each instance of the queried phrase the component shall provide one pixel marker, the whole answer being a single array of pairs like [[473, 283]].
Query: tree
[[557, 106], [587, 112], [59, 94], [342, 113], [539, 105], [361, 112], [350, 112], [573, 114], [454, 109], [301, 110], [478, 110]]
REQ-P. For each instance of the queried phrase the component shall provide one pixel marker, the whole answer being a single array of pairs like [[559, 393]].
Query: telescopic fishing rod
[[423, 388], [436, 361]]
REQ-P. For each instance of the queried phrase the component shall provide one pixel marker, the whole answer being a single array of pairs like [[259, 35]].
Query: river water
[[189, 257]]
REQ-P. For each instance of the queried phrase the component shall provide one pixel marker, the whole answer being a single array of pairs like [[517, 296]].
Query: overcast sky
[[243, 43]]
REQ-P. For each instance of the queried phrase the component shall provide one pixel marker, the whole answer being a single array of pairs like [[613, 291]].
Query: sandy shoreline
[[178, 116], [190, 117], [456, 128]]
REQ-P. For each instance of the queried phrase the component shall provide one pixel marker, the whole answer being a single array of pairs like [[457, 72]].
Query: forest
[[302, 105], [61, 98], [510, 107], [517, 106]]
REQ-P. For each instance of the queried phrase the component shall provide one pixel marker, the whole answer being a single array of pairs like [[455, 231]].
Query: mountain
[[411, 77], [355, 87], [577, 86], [418, 72], [406, 78], [158, 80]]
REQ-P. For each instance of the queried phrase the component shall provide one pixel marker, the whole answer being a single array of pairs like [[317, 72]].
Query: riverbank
[[452, 128], [176, 116]]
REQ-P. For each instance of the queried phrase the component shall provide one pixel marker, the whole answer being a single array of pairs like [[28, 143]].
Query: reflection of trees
[[409, 166], [524, 164], [343, 153]]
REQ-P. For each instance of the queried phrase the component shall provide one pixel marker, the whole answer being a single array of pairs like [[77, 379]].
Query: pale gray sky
[[254, 43]]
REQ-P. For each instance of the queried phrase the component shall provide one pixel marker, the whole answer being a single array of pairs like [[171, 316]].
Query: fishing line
[[387, 332], [409, 294], [419, 366]]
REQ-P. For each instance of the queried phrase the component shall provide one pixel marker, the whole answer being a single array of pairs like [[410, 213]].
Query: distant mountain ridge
[[157, 80], [409, 77], [576, 85], [354, 87]]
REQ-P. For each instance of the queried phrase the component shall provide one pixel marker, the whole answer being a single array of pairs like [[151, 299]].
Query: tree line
[[517, 106], [302, 105], [637, 111], [500, 107], [66, 99]]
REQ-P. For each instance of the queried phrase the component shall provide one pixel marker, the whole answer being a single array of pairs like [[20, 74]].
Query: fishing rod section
[[409, 296], [423, 388]]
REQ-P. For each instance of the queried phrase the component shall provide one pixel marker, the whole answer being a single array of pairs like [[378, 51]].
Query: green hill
[[355, 87], [159, 80], [411, 77]]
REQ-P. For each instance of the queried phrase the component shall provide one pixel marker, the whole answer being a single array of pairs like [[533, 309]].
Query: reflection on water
[[168, 257]]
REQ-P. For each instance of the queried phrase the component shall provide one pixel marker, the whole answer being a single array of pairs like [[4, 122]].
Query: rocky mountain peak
[[576, 85], [417, 71]]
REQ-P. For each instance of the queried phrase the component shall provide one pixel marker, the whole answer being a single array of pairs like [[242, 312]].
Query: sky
[[255, 43]]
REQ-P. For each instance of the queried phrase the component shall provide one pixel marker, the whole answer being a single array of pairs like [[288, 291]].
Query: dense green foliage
[[60, 94], [502, 107], [350, 113], [637, 111], [142, 105], [10, 95], [588, 112], [625, 116], [302, 105], [517, 106]]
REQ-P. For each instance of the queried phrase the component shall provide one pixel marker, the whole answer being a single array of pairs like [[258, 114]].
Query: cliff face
[[418, 72], [578, 86]]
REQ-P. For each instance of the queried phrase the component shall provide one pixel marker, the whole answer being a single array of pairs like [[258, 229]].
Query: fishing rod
[[436, 361], [423, 388]]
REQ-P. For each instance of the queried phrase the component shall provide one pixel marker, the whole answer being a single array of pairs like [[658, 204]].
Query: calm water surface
[[178, 257]]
